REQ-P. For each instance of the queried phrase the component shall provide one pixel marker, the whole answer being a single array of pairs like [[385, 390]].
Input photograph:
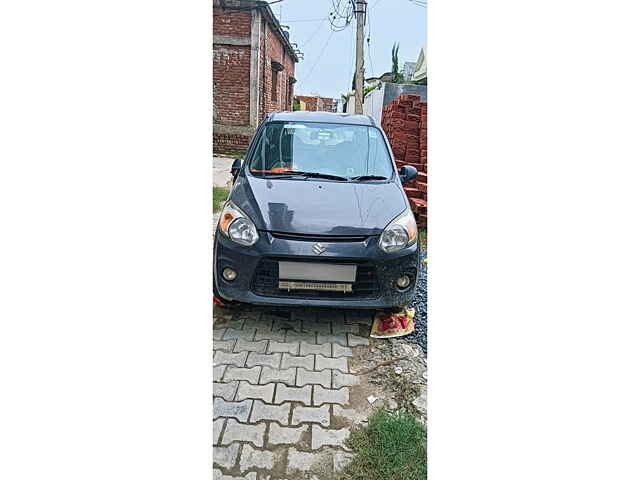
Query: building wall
[[231, 79], [313, 103], [275, 51], [237, 110]]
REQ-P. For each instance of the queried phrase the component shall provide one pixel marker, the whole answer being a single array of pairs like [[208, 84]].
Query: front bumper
[[256, 282]]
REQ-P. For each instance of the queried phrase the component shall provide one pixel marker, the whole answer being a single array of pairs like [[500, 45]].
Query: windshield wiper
[[369, 177], [315, 175]]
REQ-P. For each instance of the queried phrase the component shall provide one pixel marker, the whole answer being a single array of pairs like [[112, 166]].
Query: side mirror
[[407, 173], [235, 168]]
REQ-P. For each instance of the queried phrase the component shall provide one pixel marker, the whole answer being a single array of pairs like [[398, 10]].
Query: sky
[[329, 61]]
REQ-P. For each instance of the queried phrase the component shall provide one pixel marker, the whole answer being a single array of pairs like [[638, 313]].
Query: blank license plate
[[317, 272], [320, 286]]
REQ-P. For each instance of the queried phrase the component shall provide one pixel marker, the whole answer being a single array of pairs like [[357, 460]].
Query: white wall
[[373, 103]]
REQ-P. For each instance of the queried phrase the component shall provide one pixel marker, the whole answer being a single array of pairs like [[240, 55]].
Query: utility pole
[[360, 7]]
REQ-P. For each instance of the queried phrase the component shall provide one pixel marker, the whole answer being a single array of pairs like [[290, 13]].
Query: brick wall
[[313, 103], [275, 51], [405, 123], [232, 77], [231, 80]]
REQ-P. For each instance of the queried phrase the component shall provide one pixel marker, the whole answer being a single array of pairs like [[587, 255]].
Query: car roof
[[321, 117]]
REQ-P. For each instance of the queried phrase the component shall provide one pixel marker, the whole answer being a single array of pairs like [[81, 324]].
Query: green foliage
[[296, 105], [219, 196], [369, 88], [396, 75], [391, 447]]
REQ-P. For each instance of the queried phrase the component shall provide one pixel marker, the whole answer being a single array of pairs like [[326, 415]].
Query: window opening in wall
[[274, 85]]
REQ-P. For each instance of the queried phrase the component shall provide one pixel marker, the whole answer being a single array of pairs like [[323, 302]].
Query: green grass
[[391, 447], [422, 235], [219, 195]]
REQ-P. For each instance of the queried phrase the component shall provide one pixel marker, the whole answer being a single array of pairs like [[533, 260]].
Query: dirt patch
[[396, 385]]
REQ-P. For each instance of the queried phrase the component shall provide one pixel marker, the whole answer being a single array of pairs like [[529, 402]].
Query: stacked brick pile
[[405, 123]]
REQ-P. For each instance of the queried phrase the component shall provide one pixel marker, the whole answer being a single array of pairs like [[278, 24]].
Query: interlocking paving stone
[[309, 337], [225, 457], [323, 395], [324, 363], [245, 334], [262, 324], [305, 377], [339, 338], [289, 361], [304, 314], [226, 358], [340, 379], [270, 335], [311, 349], [344, 328], [257, 392], [239, 410], [341, 460], [355, 340], [268, 360], [362, 317], [311, 414], [217, 430], [243, 432], [293, 394], [299, 460], [340, 351], [247, 346], [218, 475], [277, 413], [319, 327], [287, 376], [286, 324], [217, 334], [252, 458], [230, 323], [275, 347], [330, 315], [218, 372], [224, 345], [247, 314], [251, 375], [286, 435], [324, 436], [225, 390]]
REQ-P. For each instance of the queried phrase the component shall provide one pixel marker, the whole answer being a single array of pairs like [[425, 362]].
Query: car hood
[[316, 207]]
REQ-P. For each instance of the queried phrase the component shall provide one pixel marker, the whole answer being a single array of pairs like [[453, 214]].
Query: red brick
[[419, 202]]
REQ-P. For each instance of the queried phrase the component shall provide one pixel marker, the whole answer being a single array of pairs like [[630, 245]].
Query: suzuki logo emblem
[[319, 249]]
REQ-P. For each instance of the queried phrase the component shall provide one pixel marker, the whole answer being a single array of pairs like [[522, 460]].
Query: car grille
[[318, 238], [265, 282]]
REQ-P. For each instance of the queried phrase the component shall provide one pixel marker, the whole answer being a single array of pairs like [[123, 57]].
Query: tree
[[396, 75]]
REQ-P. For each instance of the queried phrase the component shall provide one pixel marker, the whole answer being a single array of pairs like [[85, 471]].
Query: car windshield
[[321, 149]]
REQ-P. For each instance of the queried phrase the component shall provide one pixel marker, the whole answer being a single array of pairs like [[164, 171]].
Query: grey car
[[317, 216]]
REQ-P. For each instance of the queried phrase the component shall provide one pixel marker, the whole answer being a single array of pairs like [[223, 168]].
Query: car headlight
[[402, 232], [236, 225]]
